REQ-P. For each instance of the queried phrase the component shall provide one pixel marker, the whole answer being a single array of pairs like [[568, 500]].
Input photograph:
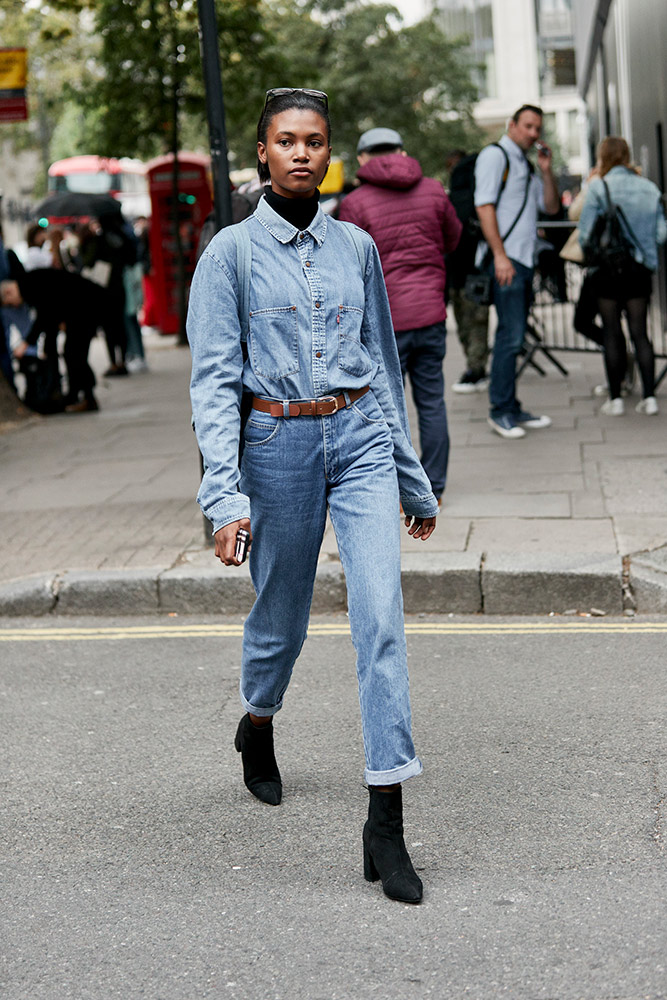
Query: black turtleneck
[[299, 212]]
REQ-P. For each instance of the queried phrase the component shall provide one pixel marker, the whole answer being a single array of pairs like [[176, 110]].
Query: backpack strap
[[357, 239], [243, 268], [506, 171]]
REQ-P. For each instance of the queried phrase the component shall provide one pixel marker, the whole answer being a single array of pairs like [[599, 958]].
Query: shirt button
[[302, 236], [307, 263], [317, 305], [318, 354]]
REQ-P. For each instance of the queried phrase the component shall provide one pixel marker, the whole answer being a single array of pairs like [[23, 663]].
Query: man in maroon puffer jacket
[[414, 225]]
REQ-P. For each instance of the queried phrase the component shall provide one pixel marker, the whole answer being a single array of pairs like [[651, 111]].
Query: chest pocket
[[352, 355], [274, 342]]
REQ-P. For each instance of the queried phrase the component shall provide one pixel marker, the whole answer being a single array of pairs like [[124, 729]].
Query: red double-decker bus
[[123, 178]]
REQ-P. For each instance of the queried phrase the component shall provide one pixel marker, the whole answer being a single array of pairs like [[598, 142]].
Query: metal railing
[[556, 290]]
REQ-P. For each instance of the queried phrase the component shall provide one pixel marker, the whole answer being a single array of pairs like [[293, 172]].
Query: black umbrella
[[66, 206]]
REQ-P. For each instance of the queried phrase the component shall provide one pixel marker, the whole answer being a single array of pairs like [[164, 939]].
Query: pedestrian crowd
[[72, 281]]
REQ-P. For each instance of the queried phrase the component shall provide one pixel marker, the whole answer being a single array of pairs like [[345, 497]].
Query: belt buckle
[[330, 401]]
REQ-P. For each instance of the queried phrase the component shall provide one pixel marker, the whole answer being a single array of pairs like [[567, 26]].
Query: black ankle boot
[[385, 854], [260, 771]]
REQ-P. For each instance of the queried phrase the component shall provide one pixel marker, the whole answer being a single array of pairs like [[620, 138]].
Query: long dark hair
[[299, 100]]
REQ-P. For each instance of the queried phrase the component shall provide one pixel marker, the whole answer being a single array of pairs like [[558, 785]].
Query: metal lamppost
[[215, 111]]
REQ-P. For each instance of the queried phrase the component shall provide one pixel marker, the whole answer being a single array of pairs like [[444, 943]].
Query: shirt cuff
[[424, 506], [233, 508]]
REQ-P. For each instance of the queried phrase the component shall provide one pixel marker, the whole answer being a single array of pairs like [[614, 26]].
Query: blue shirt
[[642, 206], [317, 326], [489, 170]]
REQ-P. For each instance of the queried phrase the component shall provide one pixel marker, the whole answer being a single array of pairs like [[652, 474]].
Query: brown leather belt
[[322, 407]]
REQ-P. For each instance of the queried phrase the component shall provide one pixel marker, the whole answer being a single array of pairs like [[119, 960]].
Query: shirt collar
[[512, 147], [283, 230]]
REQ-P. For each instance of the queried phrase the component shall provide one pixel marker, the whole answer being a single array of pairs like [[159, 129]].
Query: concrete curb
[[527, 583], [648, 580], [438, 583]]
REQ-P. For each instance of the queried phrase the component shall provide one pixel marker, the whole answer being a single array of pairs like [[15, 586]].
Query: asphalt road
[[136, 865]]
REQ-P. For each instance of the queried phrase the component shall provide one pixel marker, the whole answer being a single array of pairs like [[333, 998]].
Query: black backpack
[[461, 261], [608, 248]]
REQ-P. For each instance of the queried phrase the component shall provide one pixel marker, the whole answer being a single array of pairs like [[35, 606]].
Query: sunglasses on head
[[319, 95]]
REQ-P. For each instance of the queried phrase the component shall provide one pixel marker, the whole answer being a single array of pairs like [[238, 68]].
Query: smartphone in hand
[[242, 544]]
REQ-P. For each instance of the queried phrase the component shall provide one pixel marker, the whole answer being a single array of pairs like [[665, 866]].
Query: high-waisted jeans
[[292, 469]]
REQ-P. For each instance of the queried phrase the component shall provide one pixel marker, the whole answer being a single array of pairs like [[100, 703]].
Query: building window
[[472, 20]]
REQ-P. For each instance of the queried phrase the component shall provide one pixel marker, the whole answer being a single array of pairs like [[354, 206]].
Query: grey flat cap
[[378, 137]]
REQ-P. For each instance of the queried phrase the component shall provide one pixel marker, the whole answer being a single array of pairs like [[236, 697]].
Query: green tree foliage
[[376, 72], [61, 57], [150, 62], [107, 74], [412, 79]]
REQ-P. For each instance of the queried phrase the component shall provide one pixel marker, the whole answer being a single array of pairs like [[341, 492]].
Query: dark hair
[[33, 230], [527, 107], [299, 100]]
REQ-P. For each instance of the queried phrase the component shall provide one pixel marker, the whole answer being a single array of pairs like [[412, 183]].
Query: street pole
[[215, 110]]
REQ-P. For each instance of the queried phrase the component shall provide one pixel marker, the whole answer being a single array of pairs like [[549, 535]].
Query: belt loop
[[346, 396], [286, 412]]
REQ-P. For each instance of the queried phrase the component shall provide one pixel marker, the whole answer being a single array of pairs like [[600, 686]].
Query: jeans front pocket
[[369, 409], [274, 342], [353, 357], [260, 430]]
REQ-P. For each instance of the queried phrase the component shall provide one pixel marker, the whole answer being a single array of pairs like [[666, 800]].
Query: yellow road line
[[64, 633]]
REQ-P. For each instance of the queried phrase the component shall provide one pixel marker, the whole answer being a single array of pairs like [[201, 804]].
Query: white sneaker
[[649, 406], [506, 427], [613, 407], [136, 365], [529, 420]]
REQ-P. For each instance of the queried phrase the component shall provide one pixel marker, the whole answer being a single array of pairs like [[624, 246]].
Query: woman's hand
[[420, 527], [225, 541]]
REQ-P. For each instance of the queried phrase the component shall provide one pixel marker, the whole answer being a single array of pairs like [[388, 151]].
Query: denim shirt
[[317, 326], [642, 206]]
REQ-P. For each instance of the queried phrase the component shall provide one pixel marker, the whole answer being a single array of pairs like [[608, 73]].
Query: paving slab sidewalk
[[97, 511]]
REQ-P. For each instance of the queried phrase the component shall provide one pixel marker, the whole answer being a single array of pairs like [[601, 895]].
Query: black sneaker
[[472, 380]]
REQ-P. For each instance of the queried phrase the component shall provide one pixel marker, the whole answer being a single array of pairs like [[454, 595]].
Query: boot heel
[[370, 871]]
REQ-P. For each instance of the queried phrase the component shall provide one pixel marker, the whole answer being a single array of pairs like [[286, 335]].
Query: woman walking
[[327, 429], [643, 225]]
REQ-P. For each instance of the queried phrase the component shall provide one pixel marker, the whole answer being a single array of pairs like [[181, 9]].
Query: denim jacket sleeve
[[592, 207], [214, 333], [377, 335]]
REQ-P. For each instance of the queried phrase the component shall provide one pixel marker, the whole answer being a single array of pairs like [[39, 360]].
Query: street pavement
[[135, 864], [97, 511]]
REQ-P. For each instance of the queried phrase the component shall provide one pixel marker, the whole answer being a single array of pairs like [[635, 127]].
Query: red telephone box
[[194, 204]]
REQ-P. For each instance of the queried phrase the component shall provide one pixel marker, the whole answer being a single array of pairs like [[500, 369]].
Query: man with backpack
[[472, 318], [508, 197]]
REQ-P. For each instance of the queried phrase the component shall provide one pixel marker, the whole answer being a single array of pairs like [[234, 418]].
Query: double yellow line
[[178, 630]]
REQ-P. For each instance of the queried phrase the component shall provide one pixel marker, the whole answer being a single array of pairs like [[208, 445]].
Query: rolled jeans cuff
[[262, 711], [395, 775]]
